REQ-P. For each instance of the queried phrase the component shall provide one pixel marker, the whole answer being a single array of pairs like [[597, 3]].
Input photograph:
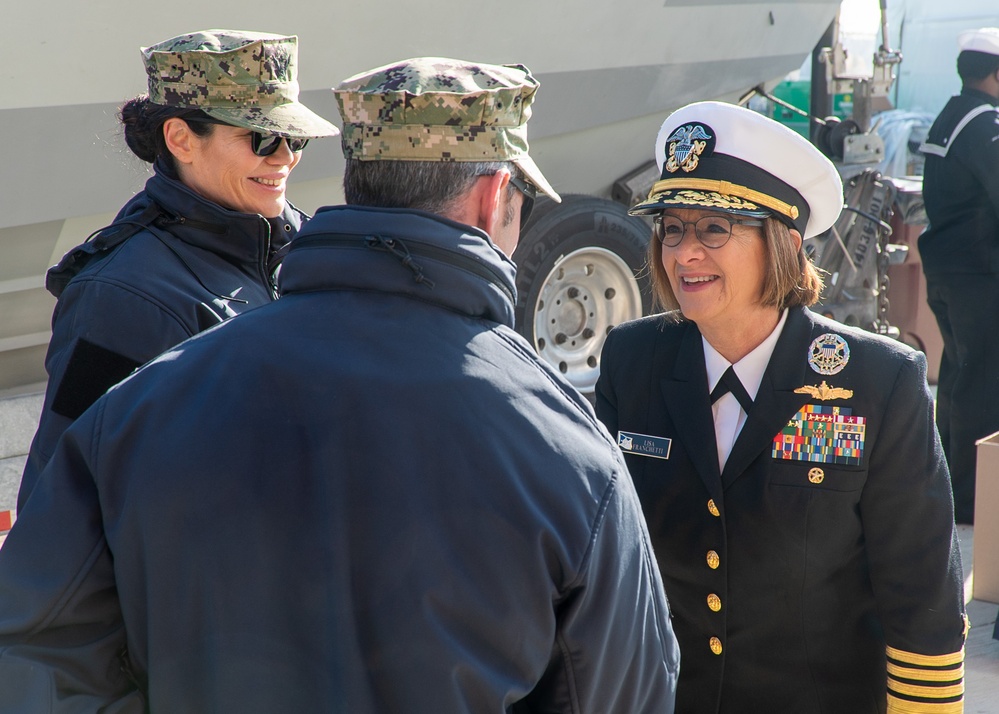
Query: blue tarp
[[902, 132]]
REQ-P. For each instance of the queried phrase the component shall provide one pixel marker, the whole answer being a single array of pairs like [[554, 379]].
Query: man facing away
[[960, 256], [368, 496]]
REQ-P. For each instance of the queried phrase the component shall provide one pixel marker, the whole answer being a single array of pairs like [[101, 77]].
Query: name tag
[[644, 445]]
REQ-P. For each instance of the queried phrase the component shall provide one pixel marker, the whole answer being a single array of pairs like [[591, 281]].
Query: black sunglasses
[[530, 192], [267, 144], [262, 144]]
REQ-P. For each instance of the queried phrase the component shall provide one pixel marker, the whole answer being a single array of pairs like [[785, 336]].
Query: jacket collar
[[685, 391], [405, 252], [238, 237], [979, 96], [776, 402], [686, 394]]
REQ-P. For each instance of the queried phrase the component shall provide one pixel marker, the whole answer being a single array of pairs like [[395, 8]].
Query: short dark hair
[[791, 280], [431, 186], [975, 66], [143, 123]]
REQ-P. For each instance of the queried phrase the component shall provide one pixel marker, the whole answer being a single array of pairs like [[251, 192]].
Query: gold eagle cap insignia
[[824, 392]]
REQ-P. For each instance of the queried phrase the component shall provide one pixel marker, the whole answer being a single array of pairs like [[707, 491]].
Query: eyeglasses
[[267, 144], [262, 144], [711, 231], [530, 192]]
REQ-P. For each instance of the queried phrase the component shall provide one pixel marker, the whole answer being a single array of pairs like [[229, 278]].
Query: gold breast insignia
[[824, 392]]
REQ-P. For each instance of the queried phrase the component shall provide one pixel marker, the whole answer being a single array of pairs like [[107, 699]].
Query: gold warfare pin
[[824, 392]]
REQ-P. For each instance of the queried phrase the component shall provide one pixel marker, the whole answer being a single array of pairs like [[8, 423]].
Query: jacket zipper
[[262, 263]]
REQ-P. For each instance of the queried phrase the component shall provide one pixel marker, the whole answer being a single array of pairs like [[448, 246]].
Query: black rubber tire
[[579, 228]]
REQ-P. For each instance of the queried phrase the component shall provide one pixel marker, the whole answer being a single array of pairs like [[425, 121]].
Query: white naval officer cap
[[985, 39], [724, 157]]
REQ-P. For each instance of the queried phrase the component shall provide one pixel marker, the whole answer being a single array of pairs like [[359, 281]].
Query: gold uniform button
[[713, 560], [816, 475], [712, 508], [715, 645], [714, 602]]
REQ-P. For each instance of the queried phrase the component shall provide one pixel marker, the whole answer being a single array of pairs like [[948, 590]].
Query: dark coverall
[[960, 256]]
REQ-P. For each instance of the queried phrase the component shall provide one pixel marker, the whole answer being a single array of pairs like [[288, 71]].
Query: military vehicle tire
[[580, 271]]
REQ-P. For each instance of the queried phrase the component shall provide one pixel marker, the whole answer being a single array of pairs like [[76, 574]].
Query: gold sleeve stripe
[[901, 706], [728, 189], [915, 690], [926, 675], [944, 660]]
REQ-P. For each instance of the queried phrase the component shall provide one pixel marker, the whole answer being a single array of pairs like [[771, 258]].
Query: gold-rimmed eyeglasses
[[711, 231]]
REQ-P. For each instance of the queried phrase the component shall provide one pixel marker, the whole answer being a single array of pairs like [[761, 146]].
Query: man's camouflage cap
[[246, 79], [437, 109]]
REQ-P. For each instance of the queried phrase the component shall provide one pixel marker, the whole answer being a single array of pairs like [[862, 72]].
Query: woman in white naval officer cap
[[788, 465]]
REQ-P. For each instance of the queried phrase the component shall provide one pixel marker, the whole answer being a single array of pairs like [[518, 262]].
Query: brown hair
[[792, 279]]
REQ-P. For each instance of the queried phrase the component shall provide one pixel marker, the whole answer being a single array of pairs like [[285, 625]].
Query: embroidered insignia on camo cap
[[724, 157], [985, 39], [438, 109], [247, 79]]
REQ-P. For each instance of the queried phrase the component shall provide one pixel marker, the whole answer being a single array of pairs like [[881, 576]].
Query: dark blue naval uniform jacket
[[792, 582], [960, 255], [368, 496], [127, 300], [961, 190]]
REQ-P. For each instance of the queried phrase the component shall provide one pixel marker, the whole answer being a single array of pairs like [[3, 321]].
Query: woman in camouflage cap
[[223, 128], [214, 94]]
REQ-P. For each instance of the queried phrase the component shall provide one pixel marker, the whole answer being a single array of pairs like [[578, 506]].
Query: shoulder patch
[[90, 372]]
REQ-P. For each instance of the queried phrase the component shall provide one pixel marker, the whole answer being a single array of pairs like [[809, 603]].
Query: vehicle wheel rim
[[586, 293]]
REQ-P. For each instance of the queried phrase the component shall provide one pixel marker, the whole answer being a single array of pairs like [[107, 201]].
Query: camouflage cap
[[246, 79], [437, 109]]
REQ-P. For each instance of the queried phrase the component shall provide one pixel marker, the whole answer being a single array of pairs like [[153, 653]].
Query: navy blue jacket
[[368, 496], [124, 300], [961, 189]]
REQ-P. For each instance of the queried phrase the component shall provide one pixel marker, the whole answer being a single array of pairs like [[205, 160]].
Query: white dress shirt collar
[[750, 368], [728, 416]]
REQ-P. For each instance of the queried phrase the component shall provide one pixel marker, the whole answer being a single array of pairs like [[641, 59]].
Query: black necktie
[[729, 382]]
